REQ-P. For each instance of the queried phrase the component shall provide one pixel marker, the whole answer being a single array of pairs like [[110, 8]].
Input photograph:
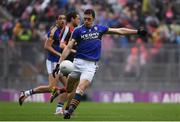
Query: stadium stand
[[150, 63]]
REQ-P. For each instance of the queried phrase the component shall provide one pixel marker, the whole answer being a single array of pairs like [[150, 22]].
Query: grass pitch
[[90, 111]]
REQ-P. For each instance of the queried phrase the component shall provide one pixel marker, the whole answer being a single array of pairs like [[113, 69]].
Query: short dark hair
[[59, 14], [70, 15], [90, 11]]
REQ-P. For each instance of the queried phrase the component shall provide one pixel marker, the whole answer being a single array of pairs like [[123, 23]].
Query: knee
[[82, 86], [80, 89], [50, 87]]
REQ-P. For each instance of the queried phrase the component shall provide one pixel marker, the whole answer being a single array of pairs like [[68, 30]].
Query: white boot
[[59, 111]]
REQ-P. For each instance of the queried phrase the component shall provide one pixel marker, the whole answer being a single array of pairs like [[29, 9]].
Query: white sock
[[28, 92]]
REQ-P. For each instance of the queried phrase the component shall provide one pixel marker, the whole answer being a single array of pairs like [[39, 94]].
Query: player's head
[[89, 16], [73, 17], [61, 20]]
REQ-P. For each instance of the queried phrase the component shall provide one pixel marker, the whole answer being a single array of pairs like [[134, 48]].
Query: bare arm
[[67, 50], [121, 31], [63, 45]]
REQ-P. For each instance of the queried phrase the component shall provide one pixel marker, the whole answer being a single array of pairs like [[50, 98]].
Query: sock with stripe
[[74, 103], [29, 92], [60, 104]]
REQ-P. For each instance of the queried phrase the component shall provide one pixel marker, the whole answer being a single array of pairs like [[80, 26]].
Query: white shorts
[[50, 66], [85, 69]]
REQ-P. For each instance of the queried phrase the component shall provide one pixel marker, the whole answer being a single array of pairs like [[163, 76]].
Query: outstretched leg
[[39, 89]]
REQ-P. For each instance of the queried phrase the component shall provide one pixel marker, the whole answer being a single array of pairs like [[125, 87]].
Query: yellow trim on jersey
[[53, 30]]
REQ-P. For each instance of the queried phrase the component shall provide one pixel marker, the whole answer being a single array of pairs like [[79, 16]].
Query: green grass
[[91, 112]]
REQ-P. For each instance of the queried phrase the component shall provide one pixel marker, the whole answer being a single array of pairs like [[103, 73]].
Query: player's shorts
[[50, 66], [83, 69]]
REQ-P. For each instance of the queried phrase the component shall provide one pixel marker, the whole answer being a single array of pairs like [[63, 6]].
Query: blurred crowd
[[31, 18], [27, 21]]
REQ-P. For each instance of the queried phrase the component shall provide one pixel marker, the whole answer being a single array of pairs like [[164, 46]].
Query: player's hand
[[56, 70], [141, 32]]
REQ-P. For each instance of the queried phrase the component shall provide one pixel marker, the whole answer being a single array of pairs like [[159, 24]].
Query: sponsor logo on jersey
[[87, 36]]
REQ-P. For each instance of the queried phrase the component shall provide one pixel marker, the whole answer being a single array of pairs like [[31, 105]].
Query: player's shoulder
[[54, 28], [78, 28], [66, 28], [99, 26], [52, 31]]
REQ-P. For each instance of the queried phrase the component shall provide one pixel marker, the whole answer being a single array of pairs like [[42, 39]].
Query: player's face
[[61, 20], [88, 20], [76, 21]]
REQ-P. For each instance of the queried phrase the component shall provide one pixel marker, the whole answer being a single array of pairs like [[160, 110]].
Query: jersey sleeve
[[75, 34], [103, 29], [51, 33], [48, 34]]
